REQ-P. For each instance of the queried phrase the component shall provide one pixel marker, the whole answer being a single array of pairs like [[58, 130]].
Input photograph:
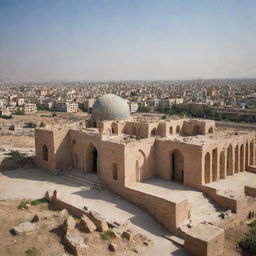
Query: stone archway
[[222, 165], [207, 168], [177, 166], [91, 159], [242, 158], [45, 153], [140, 166], [230, 160], [236, 159]]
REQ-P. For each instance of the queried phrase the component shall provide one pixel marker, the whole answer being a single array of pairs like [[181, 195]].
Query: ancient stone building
[[160, 165]]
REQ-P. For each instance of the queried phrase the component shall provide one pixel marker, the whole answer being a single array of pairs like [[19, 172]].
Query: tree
[[30, 125]]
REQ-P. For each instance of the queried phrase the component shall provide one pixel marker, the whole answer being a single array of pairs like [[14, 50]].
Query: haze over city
[[126, 40]]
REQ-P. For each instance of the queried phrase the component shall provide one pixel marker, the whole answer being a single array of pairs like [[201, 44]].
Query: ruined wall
[[191, 161], [44, 138]]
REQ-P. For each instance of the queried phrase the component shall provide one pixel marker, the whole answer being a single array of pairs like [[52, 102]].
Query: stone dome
[[110, 107]]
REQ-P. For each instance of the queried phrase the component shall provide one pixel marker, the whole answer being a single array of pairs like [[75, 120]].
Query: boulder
[[35, 218], [75, 243], [113, 247], [68, 224], [127, 235], [64, 214], [87, 225], [99, 222], [23, 228]]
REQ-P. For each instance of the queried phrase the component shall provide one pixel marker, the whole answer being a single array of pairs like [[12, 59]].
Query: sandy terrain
[[32, 184]]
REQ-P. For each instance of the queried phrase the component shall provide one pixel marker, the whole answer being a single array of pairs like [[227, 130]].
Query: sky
[[44, 40]]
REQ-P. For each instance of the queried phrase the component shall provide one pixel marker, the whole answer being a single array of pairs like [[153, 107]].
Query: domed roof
[[110, 107]]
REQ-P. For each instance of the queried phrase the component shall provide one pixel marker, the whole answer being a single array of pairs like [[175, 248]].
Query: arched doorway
[[45, 153], [222, 165], [251, 153], [246, 155], [140, 166], [178, 129], [230, 160], [153, 132], [91, 159], [177, 165], [237, 159], [196, 130], [210, 130], [214, 164], [242, 158], [207, 168]]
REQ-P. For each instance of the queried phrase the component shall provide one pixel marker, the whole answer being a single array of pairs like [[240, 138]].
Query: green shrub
[[32, 252], [30, 125], [38, 201], [248, 244], [23, 205], [42, 125], [107, 235]]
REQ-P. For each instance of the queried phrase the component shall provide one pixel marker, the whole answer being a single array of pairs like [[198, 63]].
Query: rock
[[127, 235], [35, 219], [87, 225], [69, 224], [116, 233], [99, 222], [148, 242], [23, 228], [76, 243], [113, 247], [64, 214]]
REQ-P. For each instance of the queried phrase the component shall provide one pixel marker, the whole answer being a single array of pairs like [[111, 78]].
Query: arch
[[214, 164], [91, 159], [114, 171], [236, 159], [207, 168], [246, 155], [74, 142], [171, 130], [222, 165], [230, 160], [45, 153], [196, 130], [210, 130], [140, 166], [251, 153], [153, 132], [112, 130], [177, 129], [242, 158], [177, 165]]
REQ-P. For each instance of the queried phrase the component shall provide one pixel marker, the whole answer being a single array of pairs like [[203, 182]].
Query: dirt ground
[[233, 233], [47, 239]]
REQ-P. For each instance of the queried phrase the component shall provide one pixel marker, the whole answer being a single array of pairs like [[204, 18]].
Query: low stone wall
[[168, 213], [251, 168], [250, 191]]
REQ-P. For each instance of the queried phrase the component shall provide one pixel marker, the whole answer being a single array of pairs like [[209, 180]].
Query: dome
[[110, 107]]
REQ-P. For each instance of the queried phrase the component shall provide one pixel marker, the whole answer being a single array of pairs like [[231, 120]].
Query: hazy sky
[[127, 39]]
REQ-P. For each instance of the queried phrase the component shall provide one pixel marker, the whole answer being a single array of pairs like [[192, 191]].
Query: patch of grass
[[32, 252], [248, 243], [23, 205], [39, 201], [106, 235]]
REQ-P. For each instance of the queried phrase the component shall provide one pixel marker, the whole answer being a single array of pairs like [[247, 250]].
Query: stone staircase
[[81, 179], [203, 210]]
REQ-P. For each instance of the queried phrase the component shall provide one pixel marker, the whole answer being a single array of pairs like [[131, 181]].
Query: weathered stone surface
[[116, 232], [87, 225], [127, 235], [113, 247], [64, 214], [148, 242], [68, 224], [48, 195], [76, 243], [99, 222], [23, 228]]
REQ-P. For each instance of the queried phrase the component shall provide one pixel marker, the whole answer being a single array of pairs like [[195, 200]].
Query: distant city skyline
[[126, 40]]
